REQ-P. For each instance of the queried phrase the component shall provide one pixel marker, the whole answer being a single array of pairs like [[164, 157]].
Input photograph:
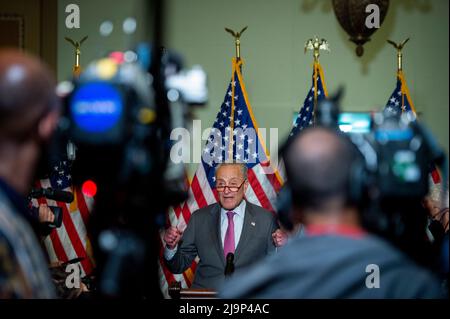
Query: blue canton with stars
[[394, 104], [305, 116], [59, 176], [246, 146]]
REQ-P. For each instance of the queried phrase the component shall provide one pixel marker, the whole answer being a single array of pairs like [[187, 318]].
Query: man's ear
[[245, 186], [47, 125]]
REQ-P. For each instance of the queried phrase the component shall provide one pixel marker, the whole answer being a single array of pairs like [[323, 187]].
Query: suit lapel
[[248, 230], [215, 232]]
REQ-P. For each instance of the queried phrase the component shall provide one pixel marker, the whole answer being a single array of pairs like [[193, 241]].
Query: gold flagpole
[[237, 43], [316, 45], [77, 45], [399, 47]]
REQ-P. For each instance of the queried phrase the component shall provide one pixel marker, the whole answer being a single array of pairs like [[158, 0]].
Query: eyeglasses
[[221, 188]]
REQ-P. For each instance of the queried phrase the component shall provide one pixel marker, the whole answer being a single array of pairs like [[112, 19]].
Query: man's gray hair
[[242, 166]]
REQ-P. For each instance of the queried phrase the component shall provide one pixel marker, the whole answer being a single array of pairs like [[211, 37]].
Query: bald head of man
[[27, 93], [318, 163], [29, 109]]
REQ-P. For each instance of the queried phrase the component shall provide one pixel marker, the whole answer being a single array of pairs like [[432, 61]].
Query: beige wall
[[277, 72]]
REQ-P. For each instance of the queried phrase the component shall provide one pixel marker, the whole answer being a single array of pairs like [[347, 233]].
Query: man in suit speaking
[[233, 225]]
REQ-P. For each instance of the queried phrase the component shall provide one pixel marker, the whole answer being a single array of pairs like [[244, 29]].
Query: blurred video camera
[[119, 117], [392, 177], [113, 120], [397, 151]]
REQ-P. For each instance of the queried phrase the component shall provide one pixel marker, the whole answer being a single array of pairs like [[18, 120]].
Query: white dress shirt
[[238, 225]]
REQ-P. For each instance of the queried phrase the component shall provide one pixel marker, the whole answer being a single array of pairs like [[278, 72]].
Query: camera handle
[[58, 213]]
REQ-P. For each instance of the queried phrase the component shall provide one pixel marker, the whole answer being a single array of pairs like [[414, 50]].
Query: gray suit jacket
[[202, 238]]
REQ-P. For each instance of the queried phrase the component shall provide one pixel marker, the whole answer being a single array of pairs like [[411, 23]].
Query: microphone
[[51, 193], [229, 268]]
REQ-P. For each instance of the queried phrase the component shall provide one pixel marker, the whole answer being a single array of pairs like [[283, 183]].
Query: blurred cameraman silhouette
[[337, 257], [29, 111]]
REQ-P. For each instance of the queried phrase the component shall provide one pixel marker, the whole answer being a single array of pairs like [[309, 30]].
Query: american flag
[[71, 239], [305, 116], [234, 136], [400, 102]]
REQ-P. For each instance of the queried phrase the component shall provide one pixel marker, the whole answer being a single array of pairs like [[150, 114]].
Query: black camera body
[[396, 154], [112, 119], [396, 160], [110, 116], [391, 178], [118, 117]]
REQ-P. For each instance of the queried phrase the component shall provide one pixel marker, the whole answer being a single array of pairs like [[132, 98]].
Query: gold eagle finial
[[315, 45], [237, 40], [399, 46], [77, 46]]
